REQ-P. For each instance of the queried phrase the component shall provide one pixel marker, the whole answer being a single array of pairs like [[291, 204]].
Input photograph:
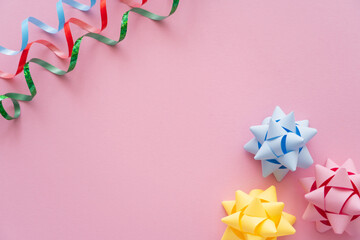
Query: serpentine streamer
[[16, 97], [68, 35], [44, 26]]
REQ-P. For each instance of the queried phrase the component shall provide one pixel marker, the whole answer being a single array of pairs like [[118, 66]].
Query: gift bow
[[256, 216], [333, 195], [279, 144]]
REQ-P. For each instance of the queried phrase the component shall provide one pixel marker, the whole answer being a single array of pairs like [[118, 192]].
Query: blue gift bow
[[283, 146], [44, 26]]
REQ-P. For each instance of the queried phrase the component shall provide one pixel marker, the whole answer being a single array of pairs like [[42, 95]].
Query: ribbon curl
[[61, 19], [68, 35], [16, 97], [44, 26]]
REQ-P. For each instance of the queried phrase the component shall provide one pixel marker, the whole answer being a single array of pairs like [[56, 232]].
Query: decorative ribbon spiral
[[44, 26], [62, 25], [73, 52]]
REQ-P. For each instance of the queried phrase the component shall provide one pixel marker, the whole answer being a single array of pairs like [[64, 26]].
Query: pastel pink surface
[[144, 140]]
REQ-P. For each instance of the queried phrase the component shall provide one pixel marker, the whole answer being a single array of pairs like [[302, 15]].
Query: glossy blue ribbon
[[44, 26]]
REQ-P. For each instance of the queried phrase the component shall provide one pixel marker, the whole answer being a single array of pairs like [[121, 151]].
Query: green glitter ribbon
[[16, 97]]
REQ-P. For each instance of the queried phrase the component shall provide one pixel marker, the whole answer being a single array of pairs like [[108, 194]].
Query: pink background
[[144, 140]]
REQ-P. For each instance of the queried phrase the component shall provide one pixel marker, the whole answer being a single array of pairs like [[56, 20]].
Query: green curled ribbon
[[16, 97]]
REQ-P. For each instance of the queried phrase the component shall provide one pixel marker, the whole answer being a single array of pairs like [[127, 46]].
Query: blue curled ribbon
[[44, 26]]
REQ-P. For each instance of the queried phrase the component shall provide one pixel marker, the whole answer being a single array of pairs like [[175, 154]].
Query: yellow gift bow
[[256, 216]]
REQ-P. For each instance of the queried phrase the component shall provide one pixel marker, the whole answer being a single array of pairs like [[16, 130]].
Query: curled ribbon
[[16, 97], [62, 25], [44, 26]]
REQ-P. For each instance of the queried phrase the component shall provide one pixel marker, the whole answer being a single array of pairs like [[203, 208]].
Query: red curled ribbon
[[68, 35], [16, 97]]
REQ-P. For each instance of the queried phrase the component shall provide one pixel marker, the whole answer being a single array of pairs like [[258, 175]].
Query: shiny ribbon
[[62, 25], [44, 26], [16, 97]]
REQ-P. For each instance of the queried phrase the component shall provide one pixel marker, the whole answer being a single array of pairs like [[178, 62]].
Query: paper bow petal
[[334, 198], [279, 143], [256, 216]]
